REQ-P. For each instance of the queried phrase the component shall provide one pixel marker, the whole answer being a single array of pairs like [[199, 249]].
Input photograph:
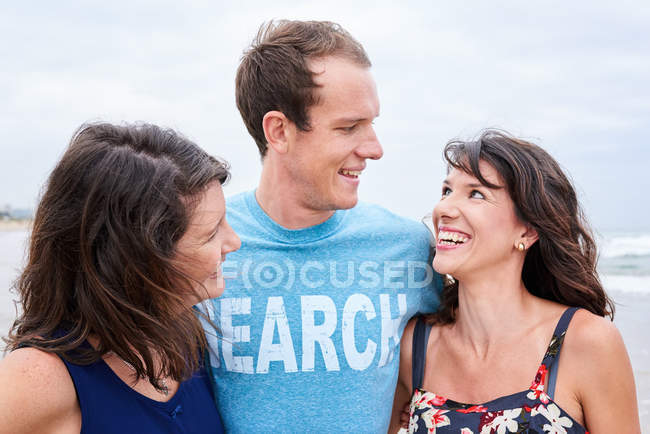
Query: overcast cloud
[[571, 76]]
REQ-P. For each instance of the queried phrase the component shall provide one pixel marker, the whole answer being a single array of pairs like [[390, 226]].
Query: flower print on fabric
[[537, 388], [500, 422], [555, 345], [435, 418], [413, 423], [529, 411], [491, 417], [422, 399], [473, 409], [558, 423]]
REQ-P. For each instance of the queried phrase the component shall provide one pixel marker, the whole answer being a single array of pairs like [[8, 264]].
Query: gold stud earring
[[521, 247]]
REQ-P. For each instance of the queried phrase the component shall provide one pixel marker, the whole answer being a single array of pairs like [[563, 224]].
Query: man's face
[[325, 163]]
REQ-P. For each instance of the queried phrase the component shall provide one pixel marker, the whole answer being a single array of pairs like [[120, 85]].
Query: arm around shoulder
[[37, 394], [605, 385]]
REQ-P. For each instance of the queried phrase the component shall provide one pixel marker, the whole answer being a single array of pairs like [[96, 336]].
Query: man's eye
[[446, 191], [348, 129], [477, 194]]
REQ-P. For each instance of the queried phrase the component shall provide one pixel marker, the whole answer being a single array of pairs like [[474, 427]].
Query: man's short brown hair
[[274, 74]]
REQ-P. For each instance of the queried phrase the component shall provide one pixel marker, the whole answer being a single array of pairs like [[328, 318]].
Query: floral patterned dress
[[529, 411]]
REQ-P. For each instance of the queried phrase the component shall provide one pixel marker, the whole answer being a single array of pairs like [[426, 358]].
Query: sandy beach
[[14, 225], [633, 321], [13, 238], [631, 318]]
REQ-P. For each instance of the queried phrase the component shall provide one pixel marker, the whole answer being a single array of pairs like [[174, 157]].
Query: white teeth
[[351, 172], [451, 238]]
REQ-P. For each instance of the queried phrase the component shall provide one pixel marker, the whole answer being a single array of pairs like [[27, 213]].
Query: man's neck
[[285, 207]]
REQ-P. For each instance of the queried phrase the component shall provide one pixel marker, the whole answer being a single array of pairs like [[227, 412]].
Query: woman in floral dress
[[522, 289]]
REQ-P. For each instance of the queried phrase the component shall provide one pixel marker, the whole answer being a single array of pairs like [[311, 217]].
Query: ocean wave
[[623, 283], [612, 246], [629, 265]]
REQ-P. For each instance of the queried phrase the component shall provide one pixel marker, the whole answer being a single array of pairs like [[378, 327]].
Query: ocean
[[624, 266], [624, 262]]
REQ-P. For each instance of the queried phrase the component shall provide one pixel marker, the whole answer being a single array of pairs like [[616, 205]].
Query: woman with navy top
[[129, 235], [520, 343]]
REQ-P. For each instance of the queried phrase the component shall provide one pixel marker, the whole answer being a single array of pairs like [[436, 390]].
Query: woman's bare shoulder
[[588, 331], [406, 344], [594, 348], [36, 391], [407, 336], [601, 374]]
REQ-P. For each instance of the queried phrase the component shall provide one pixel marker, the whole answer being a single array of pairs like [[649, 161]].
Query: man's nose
[[371, 148]]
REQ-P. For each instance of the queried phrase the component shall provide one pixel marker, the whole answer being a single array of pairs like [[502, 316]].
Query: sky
[[572, 77]]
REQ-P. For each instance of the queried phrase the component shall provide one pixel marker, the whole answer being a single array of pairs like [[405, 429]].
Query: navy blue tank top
[[108, 405]]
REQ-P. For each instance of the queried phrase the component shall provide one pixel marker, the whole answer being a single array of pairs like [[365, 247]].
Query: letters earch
[[320, 328]]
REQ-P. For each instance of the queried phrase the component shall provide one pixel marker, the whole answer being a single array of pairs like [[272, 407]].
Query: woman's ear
[[529, 237], [277, 131]]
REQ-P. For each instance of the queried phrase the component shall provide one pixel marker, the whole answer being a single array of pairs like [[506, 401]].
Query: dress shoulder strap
[[552, 356], [419, 351]]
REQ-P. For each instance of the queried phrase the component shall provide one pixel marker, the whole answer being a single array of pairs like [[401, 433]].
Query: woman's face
[[476, 227], [205, 244]]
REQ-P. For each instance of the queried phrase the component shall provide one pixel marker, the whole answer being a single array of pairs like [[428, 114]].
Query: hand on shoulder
[[604, 382], [37, 394]]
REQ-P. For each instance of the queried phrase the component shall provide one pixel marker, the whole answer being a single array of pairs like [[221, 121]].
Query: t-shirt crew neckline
[[293, 236]]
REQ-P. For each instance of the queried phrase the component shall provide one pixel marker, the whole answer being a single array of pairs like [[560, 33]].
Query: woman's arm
[[604, 379], [403, 388], [37, 394]]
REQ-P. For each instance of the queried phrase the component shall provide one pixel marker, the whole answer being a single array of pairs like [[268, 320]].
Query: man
[[322, 289]]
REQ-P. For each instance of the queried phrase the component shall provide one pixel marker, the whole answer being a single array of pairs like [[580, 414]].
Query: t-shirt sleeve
[[430, 294], [430, 297]]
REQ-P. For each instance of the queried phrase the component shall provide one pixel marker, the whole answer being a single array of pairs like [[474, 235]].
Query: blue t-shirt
[[311, 319]]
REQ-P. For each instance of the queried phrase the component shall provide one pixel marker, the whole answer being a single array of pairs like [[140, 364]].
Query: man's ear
[[277, 131]]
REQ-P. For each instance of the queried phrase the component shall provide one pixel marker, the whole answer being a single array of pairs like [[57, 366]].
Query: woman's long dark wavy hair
[[561, 265], [101, 254]]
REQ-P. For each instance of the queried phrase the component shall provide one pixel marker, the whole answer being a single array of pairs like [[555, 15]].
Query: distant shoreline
[[15, 225]]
